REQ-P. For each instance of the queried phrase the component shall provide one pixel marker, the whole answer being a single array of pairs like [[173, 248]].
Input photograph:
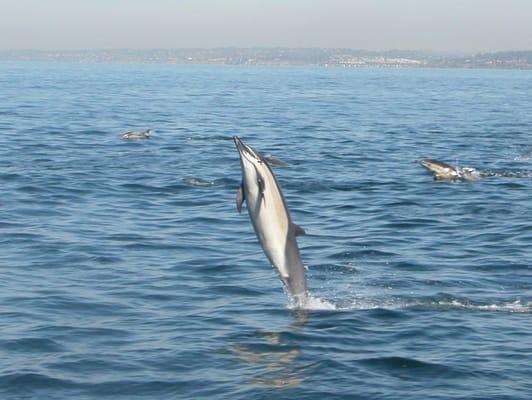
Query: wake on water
[[442, 303], [505, 173]]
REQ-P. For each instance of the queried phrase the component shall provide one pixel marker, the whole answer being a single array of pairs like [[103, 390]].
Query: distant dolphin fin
[[272, 161], [298, 231], [240, 197]]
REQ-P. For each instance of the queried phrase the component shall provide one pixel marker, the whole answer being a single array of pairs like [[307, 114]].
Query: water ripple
[[126, 271]]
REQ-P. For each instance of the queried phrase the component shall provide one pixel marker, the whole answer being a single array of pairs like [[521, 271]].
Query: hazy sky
[[465, 25]]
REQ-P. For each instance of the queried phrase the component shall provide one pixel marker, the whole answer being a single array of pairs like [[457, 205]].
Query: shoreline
[[279, 57]]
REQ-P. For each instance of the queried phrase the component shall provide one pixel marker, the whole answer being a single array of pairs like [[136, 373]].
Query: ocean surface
[[127, 273]]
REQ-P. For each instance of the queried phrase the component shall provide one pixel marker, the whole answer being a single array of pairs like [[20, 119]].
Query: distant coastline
[[347, 58]]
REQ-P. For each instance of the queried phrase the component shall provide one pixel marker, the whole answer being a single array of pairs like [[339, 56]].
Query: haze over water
[[440, 25], [127, 273]]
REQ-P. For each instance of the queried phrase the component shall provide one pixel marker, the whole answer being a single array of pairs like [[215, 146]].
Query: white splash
[[527, 156], [316, 303], [311, 303]]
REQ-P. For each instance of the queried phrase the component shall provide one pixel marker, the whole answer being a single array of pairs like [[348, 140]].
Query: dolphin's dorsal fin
[[240, 197], [298, 231]]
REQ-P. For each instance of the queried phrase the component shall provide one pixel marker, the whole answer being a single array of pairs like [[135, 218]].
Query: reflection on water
[[275, 361]]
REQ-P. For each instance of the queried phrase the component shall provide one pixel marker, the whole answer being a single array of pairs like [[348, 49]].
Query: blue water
[[127, 273]]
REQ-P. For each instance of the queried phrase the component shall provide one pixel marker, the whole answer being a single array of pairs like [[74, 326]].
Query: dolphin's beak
[[238, 143], [240, 146], [244, 149]]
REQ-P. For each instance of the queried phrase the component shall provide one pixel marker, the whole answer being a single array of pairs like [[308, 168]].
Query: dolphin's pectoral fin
[[262, 186], [240, 197], [260, 183], [298, 231]]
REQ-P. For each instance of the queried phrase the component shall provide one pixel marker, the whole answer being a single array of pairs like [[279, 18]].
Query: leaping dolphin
[[271, 220], [443, 171]]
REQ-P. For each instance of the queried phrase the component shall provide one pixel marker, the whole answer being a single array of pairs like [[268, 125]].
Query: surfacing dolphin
[[133, 135], [271, 220], [446, 172], [274, 161]]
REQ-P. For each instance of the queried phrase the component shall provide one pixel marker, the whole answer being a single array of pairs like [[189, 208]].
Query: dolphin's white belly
[[272, 228], [271, 219]]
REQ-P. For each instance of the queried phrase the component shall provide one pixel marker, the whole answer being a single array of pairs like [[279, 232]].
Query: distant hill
[[502, 59], [280, 56]]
